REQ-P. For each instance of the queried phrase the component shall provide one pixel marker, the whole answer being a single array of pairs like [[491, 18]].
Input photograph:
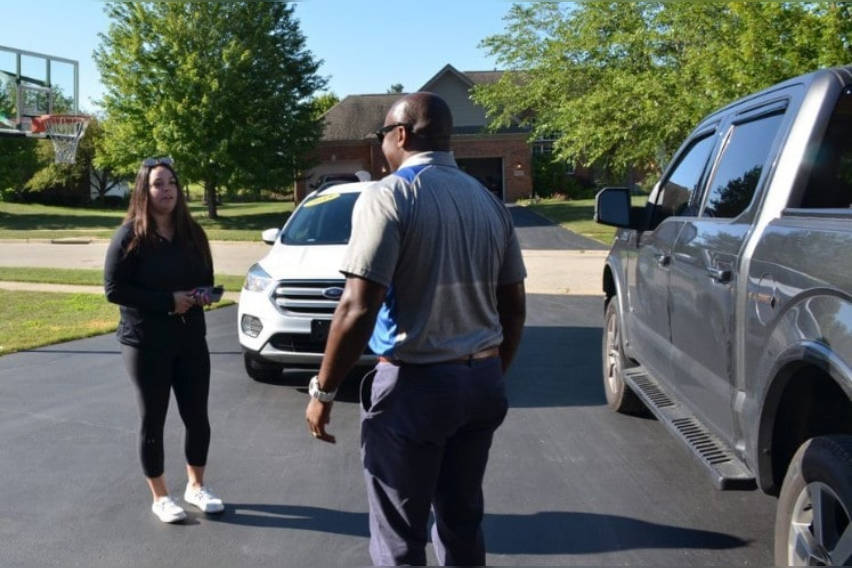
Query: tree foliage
[[395, 88], [18, 162], [322, 102], [221, 87], [622, 83]]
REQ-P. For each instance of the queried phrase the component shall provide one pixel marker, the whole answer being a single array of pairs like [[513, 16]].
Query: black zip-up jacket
[[142, 284]]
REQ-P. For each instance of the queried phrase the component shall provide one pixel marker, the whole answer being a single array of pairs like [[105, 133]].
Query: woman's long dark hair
[[187, 230]]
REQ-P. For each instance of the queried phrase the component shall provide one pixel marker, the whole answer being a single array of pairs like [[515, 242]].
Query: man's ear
[[403, 139]]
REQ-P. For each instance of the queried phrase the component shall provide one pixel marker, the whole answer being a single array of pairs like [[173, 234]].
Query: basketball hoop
[[65, 131]]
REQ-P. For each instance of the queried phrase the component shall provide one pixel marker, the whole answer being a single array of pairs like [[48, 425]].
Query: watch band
[[317, 393]]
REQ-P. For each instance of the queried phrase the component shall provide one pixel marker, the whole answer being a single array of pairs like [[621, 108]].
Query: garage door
[[489, 171]]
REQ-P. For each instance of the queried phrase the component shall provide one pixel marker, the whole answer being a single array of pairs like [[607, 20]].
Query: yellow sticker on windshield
[[324, 198]]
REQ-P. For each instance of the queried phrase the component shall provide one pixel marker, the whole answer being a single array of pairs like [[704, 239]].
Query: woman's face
[[162, 192]]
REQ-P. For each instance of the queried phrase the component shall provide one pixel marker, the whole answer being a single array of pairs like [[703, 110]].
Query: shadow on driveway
[[548, 532]]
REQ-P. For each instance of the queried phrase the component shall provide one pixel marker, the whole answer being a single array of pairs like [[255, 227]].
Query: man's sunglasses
[[151, 162], [380, 133]]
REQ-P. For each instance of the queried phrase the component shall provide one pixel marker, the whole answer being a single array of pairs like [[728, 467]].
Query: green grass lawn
[[34, 319], [578, 216], [88, 277], [236, 222]]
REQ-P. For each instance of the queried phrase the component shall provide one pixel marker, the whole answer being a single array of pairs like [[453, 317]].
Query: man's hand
[[318, 414]]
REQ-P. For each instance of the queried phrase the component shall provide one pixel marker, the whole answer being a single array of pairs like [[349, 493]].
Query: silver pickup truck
[[728, 307]]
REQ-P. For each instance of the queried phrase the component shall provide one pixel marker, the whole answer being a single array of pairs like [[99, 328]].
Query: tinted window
[[324, 219], [683, 181], [739, 169], [830, 184]]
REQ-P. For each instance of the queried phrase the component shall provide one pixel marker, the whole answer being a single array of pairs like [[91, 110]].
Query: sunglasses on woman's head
[[151, 162]]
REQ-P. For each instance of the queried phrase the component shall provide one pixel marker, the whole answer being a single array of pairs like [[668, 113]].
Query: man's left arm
[[351, 328]]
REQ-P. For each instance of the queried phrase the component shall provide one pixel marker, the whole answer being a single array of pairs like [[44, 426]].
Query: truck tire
[[817, 487], [260, 370], [619, 397]]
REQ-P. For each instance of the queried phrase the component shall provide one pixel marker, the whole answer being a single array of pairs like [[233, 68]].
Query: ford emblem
[[332, 293]]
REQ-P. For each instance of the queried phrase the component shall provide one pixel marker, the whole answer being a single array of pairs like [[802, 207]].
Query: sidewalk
[[549, 271]]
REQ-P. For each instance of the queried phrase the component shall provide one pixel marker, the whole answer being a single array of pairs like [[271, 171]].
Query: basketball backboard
[[34, 84]]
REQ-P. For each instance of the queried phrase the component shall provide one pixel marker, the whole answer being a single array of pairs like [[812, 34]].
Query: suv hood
[[317, 262]]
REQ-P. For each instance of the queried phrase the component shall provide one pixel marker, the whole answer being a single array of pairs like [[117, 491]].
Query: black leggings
[[155, 373]]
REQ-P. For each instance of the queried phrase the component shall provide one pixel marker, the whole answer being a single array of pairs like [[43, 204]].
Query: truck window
[[830, 184], [736, 177], [677, 189]]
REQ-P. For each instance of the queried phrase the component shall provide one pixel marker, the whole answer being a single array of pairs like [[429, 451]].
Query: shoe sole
[[171, 520], [212, 512]]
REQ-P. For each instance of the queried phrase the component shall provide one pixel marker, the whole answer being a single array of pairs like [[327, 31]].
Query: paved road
[[569, 482]]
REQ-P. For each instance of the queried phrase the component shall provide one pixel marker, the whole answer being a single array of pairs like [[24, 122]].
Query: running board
[[725, 468]]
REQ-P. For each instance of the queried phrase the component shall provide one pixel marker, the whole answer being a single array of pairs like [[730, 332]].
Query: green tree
[[221, 87], [18, 162], [622, 83], [395, 88], [322, 102]]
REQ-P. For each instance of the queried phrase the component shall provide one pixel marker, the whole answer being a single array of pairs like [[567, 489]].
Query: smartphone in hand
[[212, 292]]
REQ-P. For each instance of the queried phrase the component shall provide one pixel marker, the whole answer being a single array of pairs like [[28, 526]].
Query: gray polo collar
[[430, 158]]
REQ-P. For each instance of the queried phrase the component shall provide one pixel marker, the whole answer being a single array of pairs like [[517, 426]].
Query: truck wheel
[[812, 525], [619, 397], [261, 370]]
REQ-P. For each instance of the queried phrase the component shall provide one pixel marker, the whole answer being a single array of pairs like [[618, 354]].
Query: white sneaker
[[167, 510], [202, 498]]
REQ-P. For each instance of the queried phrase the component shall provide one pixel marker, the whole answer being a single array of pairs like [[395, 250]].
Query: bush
[[556, 178], [114, 202], [60, 195], [8, 194]]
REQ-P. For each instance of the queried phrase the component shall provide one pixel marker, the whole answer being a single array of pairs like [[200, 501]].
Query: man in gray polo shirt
[[434, 282]]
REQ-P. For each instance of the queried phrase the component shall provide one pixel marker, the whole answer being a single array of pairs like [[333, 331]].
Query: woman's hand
[[183, 301], [202, 297]]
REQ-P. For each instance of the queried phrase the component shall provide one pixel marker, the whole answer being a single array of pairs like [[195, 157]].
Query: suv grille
[[309, 297], [299, 343]]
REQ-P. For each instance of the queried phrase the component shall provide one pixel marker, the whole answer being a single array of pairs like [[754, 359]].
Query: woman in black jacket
[[155, 262]]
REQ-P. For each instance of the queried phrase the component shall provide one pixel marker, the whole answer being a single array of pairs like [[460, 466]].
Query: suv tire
[[619, 397], [822, 467], [260, 370]]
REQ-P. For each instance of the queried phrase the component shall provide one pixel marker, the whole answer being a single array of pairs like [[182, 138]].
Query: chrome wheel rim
[[820, 531], [613, 355]]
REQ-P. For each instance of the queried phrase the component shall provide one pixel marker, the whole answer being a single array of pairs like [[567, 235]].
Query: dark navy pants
[[425, 435]]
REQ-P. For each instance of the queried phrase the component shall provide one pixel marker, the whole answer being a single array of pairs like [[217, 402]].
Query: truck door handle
[[719, 275], [663, 259]]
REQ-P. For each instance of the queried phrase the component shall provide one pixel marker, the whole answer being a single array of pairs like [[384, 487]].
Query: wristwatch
[[317, 393]]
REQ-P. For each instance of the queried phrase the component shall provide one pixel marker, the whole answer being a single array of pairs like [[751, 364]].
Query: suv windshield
[[325, 219]]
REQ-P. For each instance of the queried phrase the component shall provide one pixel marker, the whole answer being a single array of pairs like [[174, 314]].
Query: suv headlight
[[257, 280]]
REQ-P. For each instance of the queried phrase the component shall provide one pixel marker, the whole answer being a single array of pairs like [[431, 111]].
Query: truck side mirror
[[612, 206]]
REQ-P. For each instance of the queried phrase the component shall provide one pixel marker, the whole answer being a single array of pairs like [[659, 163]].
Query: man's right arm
[[512, 308]]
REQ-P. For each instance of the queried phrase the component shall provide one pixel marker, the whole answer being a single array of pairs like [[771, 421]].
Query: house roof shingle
[[357, 116]]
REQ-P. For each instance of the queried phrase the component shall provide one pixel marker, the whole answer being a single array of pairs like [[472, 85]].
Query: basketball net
[[65, 131]]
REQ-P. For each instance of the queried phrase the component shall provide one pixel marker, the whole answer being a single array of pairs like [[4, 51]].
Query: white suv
[[289, 296]]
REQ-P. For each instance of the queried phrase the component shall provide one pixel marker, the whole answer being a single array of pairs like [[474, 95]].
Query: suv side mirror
[[270, 235], [612, 206]]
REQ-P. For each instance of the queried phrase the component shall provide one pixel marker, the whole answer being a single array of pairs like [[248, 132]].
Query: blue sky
[[366, 45]]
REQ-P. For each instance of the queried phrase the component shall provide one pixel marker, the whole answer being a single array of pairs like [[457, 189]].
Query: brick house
[[500, 160]]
